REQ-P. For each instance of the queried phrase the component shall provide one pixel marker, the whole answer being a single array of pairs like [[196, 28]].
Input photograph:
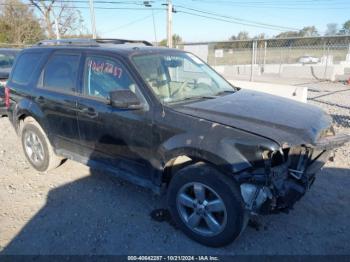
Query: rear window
[[25, 67]]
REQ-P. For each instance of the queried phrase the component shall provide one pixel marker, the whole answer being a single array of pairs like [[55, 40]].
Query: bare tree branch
[[69, 19]]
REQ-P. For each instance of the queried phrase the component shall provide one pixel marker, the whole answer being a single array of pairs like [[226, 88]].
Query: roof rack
[[90, 42], [121, 41]]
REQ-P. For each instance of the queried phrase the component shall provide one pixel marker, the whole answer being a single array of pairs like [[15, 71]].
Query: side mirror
[[125, 99]]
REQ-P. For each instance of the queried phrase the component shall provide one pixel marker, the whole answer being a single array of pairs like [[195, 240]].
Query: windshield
[[180, 76]]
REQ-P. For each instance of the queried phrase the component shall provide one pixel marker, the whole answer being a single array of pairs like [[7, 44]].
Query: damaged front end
[[286, 175]]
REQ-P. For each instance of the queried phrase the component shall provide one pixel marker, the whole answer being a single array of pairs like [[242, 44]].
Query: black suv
[[163, 119]]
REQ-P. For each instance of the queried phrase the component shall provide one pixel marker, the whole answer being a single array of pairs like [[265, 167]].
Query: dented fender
[[230, 149]]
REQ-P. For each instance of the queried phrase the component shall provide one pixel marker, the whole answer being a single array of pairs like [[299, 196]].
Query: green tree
[[176, 41], [308, 31], [163, 42], [18, 24], [346, 28]]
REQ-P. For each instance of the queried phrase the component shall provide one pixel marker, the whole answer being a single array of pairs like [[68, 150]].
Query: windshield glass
[[7, 59], [180, 76]]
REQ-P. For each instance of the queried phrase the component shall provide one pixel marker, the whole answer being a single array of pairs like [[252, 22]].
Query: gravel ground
[[73, 210]]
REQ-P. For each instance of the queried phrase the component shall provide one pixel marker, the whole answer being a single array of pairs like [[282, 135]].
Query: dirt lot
[[72, 211]]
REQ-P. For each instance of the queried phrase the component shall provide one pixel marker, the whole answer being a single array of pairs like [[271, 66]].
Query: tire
[[32, 134], [230, 215]]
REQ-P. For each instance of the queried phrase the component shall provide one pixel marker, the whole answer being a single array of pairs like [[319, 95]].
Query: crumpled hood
[[279, 119]]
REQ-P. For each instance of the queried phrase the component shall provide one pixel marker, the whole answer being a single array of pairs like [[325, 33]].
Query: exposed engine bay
[[284, 179]]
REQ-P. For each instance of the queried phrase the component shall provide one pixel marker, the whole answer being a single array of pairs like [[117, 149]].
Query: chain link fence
[[320, 58], [315, 58]]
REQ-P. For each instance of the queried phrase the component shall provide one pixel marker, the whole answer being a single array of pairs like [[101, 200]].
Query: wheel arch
[[25, 108], [183, 157]]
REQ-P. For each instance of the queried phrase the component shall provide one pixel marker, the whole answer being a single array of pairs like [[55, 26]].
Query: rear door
[[119, 138], [57, 98]]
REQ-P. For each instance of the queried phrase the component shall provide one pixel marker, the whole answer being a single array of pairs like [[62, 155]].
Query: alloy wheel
[[201, 209], [33, 147]]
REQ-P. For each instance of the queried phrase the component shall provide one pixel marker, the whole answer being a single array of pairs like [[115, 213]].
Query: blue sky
[[136, 24]]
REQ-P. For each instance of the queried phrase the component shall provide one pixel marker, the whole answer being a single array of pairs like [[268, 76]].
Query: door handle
[[89, 111], [40, 99]]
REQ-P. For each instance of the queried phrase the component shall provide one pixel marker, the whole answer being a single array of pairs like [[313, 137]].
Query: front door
[[118, 138]]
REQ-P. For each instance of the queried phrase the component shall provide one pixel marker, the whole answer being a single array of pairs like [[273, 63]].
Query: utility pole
[[92, 16], [170, 23], [154, 29]]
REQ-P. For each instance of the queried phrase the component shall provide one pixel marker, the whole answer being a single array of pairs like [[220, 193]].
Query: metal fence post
[[280, 67], [326, 67], [264, 62], [253, 59]]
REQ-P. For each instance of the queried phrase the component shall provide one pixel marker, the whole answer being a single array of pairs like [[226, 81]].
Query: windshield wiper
[[193, 98], [225, 92]]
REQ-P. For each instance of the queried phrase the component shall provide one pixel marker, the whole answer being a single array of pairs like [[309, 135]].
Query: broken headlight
[[274, 158]]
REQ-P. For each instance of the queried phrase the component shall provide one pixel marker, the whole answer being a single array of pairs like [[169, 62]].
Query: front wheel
[[206, 205]]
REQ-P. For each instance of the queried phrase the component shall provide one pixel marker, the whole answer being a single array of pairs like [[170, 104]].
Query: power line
[[100, 2], [229, 21], [273, 2], [278, 5], [97, 7], [237, 19], [301, 2], [129, 24], [261, 4]]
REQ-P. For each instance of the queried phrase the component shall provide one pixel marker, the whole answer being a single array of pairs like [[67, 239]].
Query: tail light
[[7, 97]]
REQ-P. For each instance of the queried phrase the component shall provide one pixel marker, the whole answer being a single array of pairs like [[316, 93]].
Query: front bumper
[[280, 184]]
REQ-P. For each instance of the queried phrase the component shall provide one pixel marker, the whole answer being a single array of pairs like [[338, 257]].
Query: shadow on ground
[[102, 215]]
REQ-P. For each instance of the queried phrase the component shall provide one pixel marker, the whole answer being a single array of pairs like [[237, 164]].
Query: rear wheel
[[206, 205], [37, 147]]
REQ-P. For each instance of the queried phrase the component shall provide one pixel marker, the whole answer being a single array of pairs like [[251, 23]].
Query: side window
[[25, 67], [103, 75], [60, 73]]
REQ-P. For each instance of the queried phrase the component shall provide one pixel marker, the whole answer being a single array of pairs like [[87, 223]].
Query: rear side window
[[60, 73], [25, 67]]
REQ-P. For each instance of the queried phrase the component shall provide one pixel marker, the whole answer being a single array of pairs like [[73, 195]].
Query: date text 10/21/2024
[[173, 258]]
